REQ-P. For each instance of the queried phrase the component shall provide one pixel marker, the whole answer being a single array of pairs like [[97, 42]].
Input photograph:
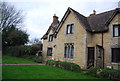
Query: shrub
[[57, 63], [110, 74], [38, 59], [50, 62], [92, 71], [75, 67], [64, 65]]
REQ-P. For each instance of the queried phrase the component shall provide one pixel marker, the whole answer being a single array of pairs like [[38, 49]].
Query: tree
[[17, 37], [36, 44], [5, 32], [9, 16], [13, 36], [10, 22]]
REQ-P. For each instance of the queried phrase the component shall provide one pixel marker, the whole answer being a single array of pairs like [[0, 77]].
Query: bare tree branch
[[9, 16]]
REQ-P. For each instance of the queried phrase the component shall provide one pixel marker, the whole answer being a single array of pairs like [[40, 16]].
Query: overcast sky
[[39, 13]]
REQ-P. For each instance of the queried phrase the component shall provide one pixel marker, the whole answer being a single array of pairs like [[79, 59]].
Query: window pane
[[116, 55], [68, 29], [65, 52], [68, 54], [119, 30], [115, 31], [71, 30], [72, 52], [50, 38]]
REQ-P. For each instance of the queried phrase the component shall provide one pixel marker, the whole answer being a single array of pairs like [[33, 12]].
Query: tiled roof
[[95, 23]]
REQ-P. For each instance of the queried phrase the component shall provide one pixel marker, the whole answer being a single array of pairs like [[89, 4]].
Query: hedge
[[27, 52], [22, 50], [64, 65], [92, 72], [105, 73], [110, 74]]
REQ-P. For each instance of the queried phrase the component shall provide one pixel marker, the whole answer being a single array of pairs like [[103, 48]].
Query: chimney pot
[[94, 12], [54, 14]]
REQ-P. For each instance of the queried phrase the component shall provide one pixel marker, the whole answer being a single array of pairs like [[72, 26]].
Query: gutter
[[103, 48]]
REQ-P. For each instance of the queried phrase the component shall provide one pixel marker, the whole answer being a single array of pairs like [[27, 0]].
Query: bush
[[50, 62], [105, 73], [92, 72], [64, 65], [75, 67], [110, 74], [38, 59], [57, 63]]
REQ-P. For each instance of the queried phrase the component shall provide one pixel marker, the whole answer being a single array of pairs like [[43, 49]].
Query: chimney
[[94, 13], [55, 21]]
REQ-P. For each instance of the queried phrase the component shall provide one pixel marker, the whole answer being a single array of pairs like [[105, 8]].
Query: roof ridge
[[106, 12], [77, 12]]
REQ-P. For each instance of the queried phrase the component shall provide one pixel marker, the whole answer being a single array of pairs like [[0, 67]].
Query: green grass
[[15, 60], [40, 72], [36, 71]]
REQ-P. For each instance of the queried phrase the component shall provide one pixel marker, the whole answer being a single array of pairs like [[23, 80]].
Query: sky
[[39, 13]]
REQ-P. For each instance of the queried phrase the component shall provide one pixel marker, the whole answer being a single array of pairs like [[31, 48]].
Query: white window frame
[[69, 52], [68, 28], [112, 30], [50, 38]]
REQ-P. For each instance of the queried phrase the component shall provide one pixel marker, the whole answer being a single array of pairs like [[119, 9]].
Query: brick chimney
[[55, 21]]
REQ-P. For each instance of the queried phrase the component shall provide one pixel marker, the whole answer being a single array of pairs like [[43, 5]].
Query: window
[[69, 29], [116, 30], [116, 55], [69, 50], [49, 52], [50, 38]]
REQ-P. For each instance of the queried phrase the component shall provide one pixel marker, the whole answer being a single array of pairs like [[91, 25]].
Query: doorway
[[90, 62]]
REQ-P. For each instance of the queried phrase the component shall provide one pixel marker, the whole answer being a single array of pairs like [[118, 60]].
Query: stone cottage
[[92, 41]]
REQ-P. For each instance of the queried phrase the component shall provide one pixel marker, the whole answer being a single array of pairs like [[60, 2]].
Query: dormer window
[[69, 29], [50, 38], [116, 30]]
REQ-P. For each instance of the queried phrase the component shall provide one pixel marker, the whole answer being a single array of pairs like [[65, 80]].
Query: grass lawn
[[14, 60], [36, 71]]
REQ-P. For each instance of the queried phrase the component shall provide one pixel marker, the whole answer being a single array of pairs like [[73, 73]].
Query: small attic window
[[116, 30], [51, 38], [69, 29]]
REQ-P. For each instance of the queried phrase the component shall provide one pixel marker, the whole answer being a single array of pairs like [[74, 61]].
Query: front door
[[90, 62]]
